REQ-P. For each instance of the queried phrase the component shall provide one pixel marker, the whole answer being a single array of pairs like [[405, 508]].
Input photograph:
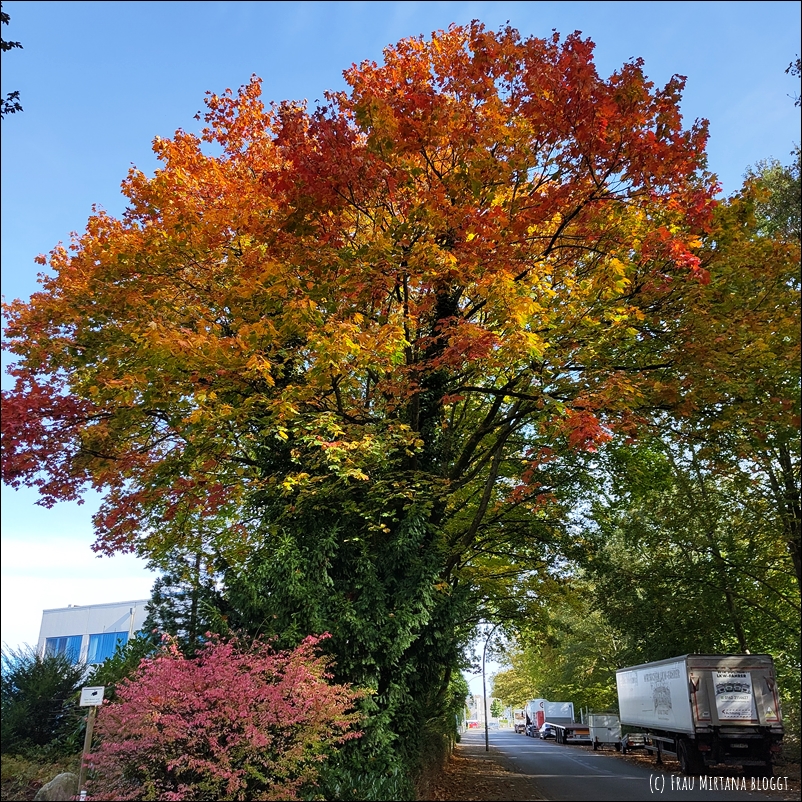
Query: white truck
[[519, 720], [532, 712], [560, 715], [706, 709], [558, 712]]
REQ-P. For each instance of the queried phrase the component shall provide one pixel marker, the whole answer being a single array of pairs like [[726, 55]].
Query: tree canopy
[[358, 355], [477, 239]]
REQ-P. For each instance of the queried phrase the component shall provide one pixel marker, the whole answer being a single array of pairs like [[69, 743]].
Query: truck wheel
[[690, 762]]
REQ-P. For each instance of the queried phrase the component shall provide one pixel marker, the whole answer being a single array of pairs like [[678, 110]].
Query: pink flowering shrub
[[237, 722]]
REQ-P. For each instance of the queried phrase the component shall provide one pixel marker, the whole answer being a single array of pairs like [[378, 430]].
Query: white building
[[90, 633], [476, 707]]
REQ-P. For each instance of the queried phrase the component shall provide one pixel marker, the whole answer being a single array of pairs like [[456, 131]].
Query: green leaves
[[38, 704]]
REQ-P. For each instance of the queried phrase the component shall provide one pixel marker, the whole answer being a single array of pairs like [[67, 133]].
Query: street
[[557, 772]]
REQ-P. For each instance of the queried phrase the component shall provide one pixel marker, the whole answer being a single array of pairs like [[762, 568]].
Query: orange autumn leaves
[[473, 237]]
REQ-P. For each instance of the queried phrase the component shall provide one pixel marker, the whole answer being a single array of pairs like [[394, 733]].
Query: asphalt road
[[572, 774]]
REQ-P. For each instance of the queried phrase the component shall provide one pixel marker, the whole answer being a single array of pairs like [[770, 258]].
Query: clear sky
[[99, 80]]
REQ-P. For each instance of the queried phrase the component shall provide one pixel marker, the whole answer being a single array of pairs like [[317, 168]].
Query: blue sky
[[99, 80]]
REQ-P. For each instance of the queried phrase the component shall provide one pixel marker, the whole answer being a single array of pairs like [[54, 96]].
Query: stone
[[61, 788]]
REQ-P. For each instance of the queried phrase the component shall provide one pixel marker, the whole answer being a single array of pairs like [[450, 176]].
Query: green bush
[[123, 664], [349, 777], [23, 775], [39, 700]]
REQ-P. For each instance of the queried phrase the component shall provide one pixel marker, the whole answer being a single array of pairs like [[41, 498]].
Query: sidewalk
[[474, 775]]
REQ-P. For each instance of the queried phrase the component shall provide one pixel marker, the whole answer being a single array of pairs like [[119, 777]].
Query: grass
[[23, 775]]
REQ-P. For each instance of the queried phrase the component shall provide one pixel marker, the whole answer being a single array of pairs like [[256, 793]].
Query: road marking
[[587, 776]]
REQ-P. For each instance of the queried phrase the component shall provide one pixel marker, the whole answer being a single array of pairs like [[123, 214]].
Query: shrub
[[123, 664], [38, 699], [23, 775], [236, 722]]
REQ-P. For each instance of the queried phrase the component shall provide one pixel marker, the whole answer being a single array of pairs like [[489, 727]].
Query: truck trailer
[[560, 715], [706, 709], [569, 731], [604, 730]]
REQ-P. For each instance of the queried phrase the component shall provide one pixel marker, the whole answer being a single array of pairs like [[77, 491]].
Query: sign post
[[91, 697]]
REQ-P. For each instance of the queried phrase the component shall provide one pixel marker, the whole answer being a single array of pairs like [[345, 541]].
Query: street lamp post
[[484, 684]]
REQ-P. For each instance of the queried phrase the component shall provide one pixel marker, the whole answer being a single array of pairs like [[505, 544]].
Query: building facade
[[90, 633]]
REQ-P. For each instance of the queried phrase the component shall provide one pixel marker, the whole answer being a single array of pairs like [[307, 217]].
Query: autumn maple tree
[[481, 221], [344, 348]]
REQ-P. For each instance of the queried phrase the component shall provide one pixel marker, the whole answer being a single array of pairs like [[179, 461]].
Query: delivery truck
[[706, 709], [519, 720], [542, 711], [533, 711]]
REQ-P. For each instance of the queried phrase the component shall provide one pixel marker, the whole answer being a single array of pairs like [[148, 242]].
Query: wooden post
[[90, 726]]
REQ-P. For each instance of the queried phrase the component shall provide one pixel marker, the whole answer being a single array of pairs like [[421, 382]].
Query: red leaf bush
[[237, 722]]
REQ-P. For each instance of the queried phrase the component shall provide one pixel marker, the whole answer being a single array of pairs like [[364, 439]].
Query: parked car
[[547, 731]]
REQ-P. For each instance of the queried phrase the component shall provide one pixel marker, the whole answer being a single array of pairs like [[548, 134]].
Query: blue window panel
[[102, 646], [69, 645]]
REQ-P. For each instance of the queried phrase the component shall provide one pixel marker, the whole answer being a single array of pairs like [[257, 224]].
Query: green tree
[[687, 559], [571, 654], [186, 601], [513, 686], [39, 700], [733, 394], [779, 196]]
